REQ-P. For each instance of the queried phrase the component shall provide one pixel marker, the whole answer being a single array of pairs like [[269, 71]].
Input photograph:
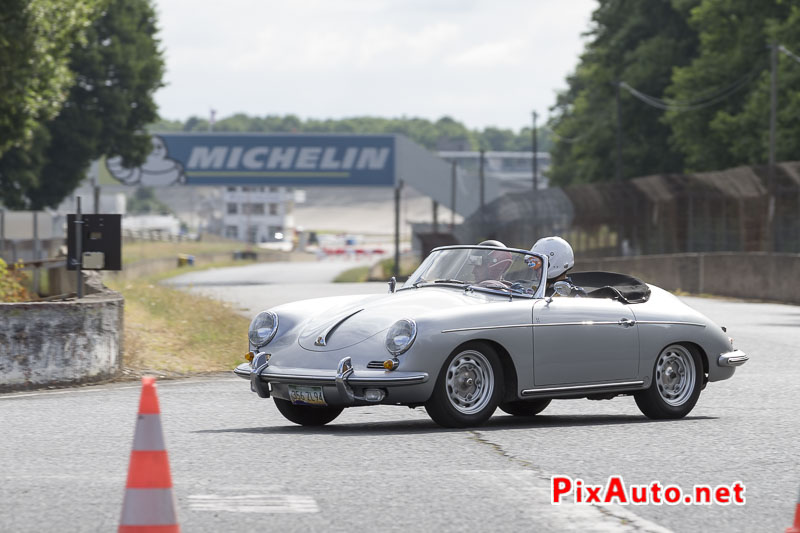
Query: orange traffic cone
[[795, 528], [149, 505]]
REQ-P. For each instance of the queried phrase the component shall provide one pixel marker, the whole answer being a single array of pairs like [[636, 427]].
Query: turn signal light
[[390, 364], [249, 356]]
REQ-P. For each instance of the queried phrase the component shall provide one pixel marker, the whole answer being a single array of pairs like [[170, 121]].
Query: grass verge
[[137, 251], [173, 332], [354, 275], [381, 271]]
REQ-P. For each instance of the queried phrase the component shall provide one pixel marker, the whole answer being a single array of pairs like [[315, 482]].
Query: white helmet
[[559, 254]]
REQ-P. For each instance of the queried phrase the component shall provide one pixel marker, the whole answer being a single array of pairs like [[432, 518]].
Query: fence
[[729, 210]]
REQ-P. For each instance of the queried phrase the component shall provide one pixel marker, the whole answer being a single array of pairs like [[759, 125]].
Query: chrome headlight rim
[[252, 335], [392, 347]]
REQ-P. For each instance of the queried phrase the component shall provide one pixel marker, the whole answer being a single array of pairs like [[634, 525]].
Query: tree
[[432, 135], [144, 202], [638, 43], [117, 70], [734, 47], [35, 40]]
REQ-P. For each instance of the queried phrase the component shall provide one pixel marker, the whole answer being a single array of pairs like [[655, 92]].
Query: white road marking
[[254, 503]]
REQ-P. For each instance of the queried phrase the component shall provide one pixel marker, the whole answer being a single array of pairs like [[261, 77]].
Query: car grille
[[375, 364]]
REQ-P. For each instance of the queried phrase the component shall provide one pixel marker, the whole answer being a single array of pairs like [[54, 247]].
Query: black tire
[[668, 397], [448, 406], [525, 407], [306, 415]]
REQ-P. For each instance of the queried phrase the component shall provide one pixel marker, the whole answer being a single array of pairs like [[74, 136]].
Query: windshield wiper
[[450, 281]]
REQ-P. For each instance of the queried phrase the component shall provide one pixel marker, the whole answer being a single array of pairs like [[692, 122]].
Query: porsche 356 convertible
[[478, 327]]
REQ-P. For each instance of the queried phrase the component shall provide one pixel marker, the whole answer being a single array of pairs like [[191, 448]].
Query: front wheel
[[306, 415], [525, 407], [677, 380], [469, 387]]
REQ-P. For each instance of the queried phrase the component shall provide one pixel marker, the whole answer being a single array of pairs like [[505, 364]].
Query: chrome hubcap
[[469, 382], [675, 375]]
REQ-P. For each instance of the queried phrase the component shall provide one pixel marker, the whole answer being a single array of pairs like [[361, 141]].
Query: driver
[[560, 259], [492, 265]]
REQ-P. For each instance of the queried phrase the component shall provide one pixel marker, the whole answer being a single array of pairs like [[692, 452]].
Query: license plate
[[302, 395]]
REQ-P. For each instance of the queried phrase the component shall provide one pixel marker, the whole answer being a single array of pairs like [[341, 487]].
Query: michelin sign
[[262, 159]]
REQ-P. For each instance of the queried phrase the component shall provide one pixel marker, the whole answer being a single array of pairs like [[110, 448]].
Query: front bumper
[[734, 358], [341, 386]]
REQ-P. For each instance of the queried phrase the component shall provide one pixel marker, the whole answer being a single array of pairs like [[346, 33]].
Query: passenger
[[493, 265], [560, 259]]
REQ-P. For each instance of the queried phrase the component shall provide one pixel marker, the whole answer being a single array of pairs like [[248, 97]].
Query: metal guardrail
[[53, 262]]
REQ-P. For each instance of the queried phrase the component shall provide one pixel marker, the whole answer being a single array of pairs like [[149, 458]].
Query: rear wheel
[[525, 407], [677, 380], [306, 415], [469, 387]]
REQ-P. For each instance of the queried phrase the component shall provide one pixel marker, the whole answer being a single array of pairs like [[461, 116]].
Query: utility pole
[[435, 216], [36, 253], [78, 255], [620, 228], [619, 136], [482, 178], [773, 106], [453, 176], [535, 148], [397, 190], [534, 162]]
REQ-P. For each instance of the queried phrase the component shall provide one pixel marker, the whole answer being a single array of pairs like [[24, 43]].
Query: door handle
[[626, 323]]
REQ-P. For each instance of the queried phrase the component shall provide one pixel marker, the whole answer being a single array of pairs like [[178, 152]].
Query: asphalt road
[[238, 465]]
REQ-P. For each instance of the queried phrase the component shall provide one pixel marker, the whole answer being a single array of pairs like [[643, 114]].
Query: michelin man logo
[[157, 170]]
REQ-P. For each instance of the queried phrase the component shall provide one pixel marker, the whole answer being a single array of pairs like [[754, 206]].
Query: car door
[[584, 340]]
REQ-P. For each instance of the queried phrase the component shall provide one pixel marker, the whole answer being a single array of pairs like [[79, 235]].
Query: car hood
[[344, 325]]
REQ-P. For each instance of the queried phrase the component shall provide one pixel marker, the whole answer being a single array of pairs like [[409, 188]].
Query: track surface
[[238, 465]]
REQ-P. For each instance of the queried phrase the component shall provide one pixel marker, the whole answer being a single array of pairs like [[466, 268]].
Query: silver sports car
[[478, 327]]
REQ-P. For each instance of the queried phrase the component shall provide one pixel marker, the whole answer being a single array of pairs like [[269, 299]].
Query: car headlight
[[263, 328], [401, 336]]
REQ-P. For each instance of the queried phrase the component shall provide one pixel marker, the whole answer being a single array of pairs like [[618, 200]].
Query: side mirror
[[562, 288], [392, 284]]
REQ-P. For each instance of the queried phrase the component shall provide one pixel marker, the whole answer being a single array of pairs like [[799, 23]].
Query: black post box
[[101, 242]]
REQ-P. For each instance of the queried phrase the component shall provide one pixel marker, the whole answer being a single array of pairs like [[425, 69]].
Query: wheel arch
[[509, 369], [703, 357]]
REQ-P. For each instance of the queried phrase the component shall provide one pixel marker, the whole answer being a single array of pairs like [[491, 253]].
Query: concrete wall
[[60, 342], [740, 275]]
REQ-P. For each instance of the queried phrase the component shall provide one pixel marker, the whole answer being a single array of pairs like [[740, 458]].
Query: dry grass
[[174, 332], [137, 251]]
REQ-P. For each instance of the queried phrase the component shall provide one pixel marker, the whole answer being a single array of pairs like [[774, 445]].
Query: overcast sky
[[483, 62]]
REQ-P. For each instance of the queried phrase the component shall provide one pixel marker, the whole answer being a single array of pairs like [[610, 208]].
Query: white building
[[257, 214]]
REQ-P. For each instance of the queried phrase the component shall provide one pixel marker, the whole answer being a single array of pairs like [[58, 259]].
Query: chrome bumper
[[342, 378], [734, 358]]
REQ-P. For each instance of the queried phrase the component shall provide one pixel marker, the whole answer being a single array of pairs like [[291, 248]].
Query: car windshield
[[484, 267]]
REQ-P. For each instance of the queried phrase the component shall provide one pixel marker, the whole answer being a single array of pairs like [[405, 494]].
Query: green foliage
[[353, 275], [443, 134], [734, 39], [632, 41], [117, 69], [144, 202], [36, 37], [12, 284], [686, 52]]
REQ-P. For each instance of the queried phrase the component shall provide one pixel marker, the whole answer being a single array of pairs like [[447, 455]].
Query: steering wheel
[[492, 284]]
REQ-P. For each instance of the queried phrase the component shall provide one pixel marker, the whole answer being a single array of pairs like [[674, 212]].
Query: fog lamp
[[374, 395]]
